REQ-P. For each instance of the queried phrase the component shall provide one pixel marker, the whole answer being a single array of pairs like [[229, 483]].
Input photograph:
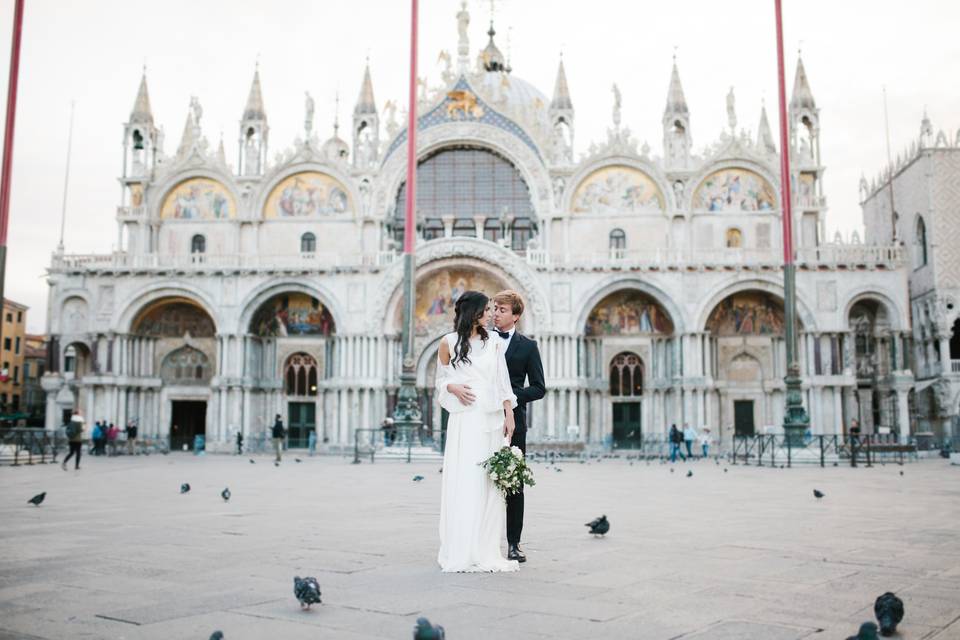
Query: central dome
[[516, 98]]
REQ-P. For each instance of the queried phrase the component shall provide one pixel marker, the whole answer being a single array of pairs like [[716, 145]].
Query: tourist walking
[[689, 437], [278, 433], [239, 441], [112, 434], [95, 438], [676, 439], [312, 442], [75, 439], [854, 441], [705, 441], [131, 432]]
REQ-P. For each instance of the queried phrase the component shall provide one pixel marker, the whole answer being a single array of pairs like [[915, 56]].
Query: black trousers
[[515, 501], [75, 449]]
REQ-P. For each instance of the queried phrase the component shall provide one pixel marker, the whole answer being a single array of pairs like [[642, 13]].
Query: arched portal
[[629, 338], [747, 355], [293, 351], [872, 353]]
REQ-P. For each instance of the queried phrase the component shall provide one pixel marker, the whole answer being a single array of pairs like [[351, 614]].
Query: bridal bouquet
[[508, 470]]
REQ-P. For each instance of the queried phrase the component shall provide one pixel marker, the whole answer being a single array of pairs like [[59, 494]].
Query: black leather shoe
[[514, 553]]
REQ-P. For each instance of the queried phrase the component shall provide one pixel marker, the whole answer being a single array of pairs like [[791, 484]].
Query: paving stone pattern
[[116, 552]]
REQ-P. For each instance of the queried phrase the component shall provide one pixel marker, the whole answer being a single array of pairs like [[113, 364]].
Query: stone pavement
[[116, 552]]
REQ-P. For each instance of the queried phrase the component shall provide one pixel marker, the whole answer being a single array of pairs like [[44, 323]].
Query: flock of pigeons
[[888, 608]]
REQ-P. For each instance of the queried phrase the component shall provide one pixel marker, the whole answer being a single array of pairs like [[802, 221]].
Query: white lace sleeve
[[444, 376], [504, 388]]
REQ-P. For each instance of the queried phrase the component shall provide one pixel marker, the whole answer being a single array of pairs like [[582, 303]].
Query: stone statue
[[196, 110], [731, 111], [463, 21], [678, 192], [390, 116], [616, 105], [308, 118]]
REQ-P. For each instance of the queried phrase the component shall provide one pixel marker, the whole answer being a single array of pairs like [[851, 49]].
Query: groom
[[523, 363]]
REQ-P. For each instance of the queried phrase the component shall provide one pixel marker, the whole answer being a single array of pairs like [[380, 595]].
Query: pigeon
[[558, 469], [426, 631], [889, 611], [868, 631], [252, 461], [724, 469], [599, 526], [307, 591], [689, 474], [225, 494], [216, 635], [671, 469], [417, 478], [297, 460], [37, 499], [901, 472], [818, 494], [276, 464], [185, 487]]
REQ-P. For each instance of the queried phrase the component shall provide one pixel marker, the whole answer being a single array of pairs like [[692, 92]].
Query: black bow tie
[[503, 334]]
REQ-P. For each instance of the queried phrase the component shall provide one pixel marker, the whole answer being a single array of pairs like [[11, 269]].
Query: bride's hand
[[508, 425]]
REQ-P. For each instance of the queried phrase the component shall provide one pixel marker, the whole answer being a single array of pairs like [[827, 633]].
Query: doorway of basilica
[[188, 419]]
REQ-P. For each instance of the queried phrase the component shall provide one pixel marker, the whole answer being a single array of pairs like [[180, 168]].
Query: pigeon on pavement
[[307, 591], [252, 461], [889, 611], [37, 499], [185, 487], [818, 494], [868, 631], [417, 478], [689, 474], [225, 494], [216, 635], [297, 460], [599, 526], [426, 631]]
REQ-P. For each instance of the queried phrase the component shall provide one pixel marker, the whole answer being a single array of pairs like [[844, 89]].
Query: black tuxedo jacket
[[524, 365]]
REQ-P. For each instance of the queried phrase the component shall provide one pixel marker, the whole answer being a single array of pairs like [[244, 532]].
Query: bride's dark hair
[[469, 308]]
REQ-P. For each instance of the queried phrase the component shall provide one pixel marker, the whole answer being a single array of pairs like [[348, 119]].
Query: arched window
[[920, 250], [618, 240], [137, 139], [492, 230], [432, 229], [464, 227], [186, 365], [301, 375], [626, 375], [464, 182], [198, 244], [734, 238], [308, 243]]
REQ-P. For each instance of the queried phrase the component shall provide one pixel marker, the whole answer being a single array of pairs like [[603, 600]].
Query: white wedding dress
[[473, 514]]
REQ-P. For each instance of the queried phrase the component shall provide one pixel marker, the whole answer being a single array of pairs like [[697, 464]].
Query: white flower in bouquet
[[517, 452]]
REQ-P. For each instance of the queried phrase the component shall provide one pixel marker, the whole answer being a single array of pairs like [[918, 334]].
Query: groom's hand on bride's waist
[[463, 393]]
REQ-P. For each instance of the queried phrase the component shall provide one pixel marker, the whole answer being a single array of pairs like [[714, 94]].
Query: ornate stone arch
[[58, 318], [760, 283], [263, 293], [640, 164], [894, 313], [697, 181], [483, 136], [123, 321], [616, 283], [497, 260], [157, 194], [283, 172]]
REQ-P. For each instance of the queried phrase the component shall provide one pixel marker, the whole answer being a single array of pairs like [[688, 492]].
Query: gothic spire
[[366, 102], [141, 107], [764, 136], [491, 56], [561, 92], [676, 102], [802, 97], [254, 109]]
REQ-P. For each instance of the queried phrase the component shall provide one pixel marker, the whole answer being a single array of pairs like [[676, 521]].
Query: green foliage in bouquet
[[509, 471]]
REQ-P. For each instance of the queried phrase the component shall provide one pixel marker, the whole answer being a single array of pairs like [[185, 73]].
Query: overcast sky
[[93, 51]]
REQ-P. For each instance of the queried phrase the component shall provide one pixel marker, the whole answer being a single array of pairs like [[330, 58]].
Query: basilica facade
[[653, 280]]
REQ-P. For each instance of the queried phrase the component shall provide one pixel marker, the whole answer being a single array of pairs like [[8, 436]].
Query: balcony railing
[[216, 262], [830, 256]]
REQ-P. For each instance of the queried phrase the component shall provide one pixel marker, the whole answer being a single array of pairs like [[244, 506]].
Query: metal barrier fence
[[778, 450], [397, 442], [29, 445]]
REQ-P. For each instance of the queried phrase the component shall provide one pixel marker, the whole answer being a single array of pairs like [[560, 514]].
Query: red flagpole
[[411, 202], [787, 201], [8, 142]]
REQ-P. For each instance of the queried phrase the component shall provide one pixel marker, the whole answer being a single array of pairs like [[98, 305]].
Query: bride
[[474, 386]]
